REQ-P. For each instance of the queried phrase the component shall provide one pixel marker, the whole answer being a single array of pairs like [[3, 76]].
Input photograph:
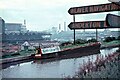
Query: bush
[[66, 43], [108, 39], [30, 49], [80, 41], [118, 38], [92, 40]]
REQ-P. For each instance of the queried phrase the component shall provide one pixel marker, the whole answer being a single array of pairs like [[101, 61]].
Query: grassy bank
[[103, 44], [115, 42], [19, 53]]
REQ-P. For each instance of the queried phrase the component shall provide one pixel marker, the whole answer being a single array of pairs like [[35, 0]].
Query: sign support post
[[96, 34], [74, 26]]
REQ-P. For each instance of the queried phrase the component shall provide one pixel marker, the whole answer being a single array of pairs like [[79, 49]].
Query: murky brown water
[[49, 69]]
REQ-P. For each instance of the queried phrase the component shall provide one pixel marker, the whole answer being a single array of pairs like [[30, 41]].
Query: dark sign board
[[88, 25], [113, 20], [94, 9]]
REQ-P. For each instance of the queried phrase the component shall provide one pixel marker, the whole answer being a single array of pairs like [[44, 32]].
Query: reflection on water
[[49, 69]]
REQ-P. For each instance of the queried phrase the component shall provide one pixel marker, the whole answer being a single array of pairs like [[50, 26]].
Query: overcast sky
[[44, 14]]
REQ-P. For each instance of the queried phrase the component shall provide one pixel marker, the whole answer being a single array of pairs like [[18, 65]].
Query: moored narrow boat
[[55, 51]]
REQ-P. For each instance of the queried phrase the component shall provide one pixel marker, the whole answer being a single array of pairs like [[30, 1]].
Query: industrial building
[[17, 33]]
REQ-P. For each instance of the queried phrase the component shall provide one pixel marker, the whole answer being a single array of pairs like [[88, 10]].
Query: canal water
[[50, 69]]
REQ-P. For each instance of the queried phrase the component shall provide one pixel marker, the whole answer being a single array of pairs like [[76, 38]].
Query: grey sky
[[45, 14]]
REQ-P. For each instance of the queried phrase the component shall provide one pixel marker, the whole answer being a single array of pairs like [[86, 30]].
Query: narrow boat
[[54, 51]]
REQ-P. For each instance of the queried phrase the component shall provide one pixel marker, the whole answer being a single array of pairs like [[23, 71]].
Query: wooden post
[[74, 26]]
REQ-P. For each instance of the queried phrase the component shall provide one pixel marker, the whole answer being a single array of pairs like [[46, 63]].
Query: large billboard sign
[[94, 8], [88, 25]]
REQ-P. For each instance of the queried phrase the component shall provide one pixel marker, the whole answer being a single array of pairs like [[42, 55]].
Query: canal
[[49, 69]]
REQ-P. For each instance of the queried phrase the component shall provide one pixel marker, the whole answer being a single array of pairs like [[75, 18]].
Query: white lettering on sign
[[88, 25], [94, 9], [50, 50]]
